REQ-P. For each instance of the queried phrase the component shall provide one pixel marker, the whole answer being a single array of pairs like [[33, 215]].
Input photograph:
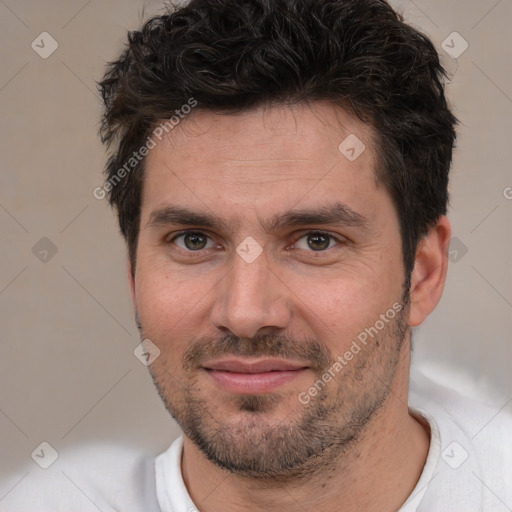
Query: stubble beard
[[308, 438]]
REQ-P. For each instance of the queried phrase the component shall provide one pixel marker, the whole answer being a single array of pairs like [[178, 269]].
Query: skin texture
[[353, 445]]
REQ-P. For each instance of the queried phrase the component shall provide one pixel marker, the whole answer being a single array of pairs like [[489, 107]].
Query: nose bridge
[[247, 285], [249, 299]]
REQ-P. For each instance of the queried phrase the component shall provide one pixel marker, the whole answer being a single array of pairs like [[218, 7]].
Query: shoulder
[[475, 446], [482, 423], [91, 477]]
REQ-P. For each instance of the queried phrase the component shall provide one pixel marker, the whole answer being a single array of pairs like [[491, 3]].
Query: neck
[[378, 473]]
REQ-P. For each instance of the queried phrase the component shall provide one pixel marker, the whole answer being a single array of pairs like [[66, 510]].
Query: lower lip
[[251, 383]]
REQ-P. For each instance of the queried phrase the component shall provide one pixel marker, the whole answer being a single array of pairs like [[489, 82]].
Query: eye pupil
[[318, 241], [195, 241]]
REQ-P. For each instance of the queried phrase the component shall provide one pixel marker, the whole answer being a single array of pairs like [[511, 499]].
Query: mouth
[[246, 376]]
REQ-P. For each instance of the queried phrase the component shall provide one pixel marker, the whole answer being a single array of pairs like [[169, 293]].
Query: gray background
[[68, 373]]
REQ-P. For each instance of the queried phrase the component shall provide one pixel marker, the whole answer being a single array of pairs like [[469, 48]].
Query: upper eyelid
[[321, 232], [172, 236]]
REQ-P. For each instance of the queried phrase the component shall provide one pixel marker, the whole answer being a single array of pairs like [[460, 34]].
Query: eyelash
[[339, 241]]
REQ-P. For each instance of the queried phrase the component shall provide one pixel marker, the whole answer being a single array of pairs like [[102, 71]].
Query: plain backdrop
[[67, 369]]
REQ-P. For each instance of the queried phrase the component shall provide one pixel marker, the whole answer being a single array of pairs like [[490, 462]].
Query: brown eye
[[195, 241], [192, 241], [316, 241]]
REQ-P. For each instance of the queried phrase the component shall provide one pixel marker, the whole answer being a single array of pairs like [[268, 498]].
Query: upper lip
[[255, 366]]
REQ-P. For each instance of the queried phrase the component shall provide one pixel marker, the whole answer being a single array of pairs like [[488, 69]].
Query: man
[[280, 174]]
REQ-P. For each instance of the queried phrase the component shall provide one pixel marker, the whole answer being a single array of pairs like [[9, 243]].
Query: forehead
[[282, 154], [292, 131]]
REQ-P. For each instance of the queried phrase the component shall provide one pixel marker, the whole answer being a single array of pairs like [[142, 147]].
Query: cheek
[[169, 309], [345, 306]]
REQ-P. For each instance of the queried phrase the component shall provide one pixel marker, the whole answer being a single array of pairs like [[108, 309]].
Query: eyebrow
[[335, 214], [181, 215]]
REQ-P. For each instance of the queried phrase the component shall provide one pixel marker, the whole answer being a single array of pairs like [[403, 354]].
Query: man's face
[[264, 254]]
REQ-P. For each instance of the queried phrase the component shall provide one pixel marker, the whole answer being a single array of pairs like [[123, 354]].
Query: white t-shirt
[[468, 468]]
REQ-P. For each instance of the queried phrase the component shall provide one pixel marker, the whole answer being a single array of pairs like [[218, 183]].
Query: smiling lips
[[249, 377]]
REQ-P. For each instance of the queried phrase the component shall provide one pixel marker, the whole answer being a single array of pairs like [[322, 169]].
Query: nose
[[251, 297]]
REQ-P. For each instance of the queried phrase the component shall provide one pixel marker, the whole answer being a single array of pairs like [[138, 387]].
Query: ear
[[131, 281], [429, 273]]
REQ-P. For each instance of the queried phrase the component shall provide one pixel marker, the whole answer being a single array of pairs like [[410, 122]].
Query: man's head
[[293, 180]]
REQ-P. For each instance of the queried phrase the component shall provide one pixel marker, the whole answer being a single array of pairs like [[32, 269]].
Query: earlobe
[[429, 273]]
